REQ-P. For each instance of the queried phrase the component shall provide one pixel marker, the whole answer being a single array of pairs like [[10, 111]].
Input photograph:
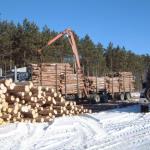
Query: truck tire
[[122, 96], [128, 96], [147, 94], [78, 96]]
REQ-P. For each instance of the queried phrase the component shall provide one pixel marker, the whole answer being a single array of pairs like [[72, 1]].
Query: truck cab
[[146, 86]]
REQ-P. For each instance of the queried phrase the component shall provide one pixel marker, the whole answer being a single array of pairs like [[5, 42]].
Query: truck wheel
[[78, 96], [121, 96], [148, 94], [96, 98], [128, 96]]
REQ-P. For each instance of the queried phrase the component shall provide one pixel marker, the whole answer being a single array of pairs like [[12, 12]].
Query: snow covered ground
[[119, 129]]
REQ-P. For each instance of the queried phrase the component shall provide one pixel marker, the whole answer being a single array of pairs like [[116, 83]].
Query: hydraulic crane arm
[[72, 42]]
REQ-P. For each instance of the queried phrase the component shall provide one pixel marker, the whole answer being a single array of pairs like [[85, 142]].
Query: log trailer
[[87, 94], [117, 86]]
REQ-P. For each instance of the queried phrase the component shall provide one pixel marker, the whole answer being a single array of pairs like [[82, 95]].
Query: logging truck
[[113, 87], [146, 86], [62, 78]]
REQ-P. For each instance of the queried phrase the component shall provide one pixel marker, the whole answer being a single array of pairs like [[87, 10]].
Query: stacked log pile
[[127, 81], [23, 102], [58, 76], [48, 74], [97, 83], [113, 84], [118, 82], [36, 73], [71, 83]]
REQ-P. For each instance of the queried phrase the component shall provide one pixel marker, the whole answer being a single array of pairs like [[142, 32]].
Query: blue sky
[[123, 22]]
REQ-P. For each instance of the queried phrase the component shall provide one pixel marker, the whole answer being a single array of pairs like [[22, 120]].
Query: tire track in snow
[[131, 136]]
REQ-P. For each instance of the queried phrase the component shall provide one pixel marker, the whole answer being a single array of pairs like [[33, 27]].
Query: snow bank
[[123, 129]]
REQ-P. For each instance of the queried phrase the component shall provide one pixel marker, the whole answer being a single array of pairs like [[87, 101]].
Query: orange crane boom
[[72, 42]]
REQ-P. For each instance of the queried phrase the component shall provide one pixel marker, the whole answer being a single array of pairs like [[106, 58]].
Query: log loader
[[95, 97]]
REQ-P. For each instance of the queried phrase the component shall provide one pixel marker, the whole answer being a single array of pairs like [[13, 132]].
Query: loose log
[[7, 82]]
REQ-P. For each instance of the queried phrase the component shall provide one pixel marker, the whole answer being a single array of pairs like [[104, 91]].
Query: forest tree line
[[19, 44]]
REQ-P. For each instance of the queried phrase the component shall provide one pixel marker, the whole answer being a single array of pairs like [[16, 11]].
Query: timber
[[24, 102]]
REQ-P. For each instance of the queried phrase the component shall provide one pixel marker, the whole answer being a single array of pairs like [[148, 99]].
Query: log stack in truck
[[61, 77], [117, 85]]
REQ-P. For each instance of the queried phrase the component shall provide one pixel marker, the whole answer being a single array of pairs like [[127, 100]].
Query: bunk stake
[[77, 84], [65, 82], [56, 77]]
